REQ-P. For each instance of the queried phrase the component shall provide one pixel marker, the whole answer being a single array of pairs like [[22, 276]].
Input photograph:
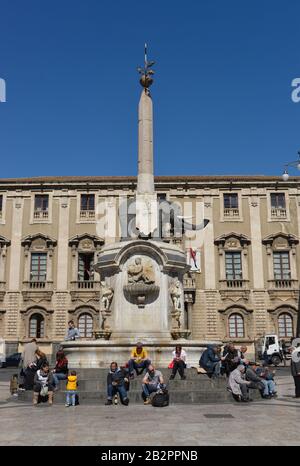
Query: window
[[281, 265], [285, 325], [278, 207], [85, 267], [231, 201], [87, 206], [41, 204], [233, 266], [231, 205], [87, 202], [36, 326], [38, 269], [278, 200], [236, 326], [1, 205], [85, 325]]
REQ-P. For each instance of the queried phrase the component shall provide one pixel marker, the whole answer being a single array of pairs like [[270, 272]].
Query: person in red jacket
[[61, 368]]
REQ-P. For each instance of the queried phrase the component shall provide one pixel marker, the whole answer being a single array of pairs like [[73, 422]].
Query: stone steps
[[195, 389], [180, 397]]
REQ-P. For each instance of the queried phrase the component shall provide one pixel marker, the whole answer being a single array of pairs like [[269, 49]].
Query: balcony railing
[[278, 212], [285, 284], [40, 214], [231, 213], [37, 285], [87, 214], [42, 289], [2, 290], [85, 285], [234, 284], [189, 283]]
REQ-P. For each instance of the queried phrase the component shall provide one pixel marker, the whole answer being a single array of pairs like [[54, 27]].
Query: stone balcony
[[37, 290], [234, 289], [87, 215], [284, 289], [231, 213], [40, 215], [2, 290], [85, 290], [277, 212], [189, 289]]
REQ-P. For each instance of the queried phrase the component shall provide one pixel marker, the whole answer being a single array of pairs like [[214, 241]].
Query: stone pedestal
[[141, 274], [100, 353]]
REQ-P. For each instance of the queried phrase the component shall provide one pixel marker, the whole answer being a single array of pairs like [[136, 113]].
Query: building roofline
[[132, 180]]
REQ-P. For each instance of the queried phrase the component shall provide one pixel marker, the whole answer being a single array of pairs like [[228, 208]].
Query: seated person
[[210, 361], [179, 362], [43, 378], [73, 332], [231, 359], [252, 377], [60, 371], [238, 385], [242, 352], [116, 380], [152, 382], [138, 361], [267, 378]]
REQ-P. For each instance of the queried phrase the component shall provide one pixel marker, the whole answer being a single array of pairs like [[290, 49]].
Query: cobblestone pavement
[[269, 422]]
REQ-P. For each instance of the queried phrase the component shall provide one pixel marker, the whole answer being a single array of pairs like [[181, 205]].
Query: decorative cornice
[[27, 241]]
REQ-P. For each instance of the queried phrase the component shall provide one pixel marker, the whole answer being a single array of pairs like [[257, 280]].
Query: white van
[[2, 352]]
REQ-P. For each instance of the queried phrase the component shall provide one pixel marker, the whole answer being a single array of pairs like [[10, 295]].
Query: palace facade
[[244, 279]]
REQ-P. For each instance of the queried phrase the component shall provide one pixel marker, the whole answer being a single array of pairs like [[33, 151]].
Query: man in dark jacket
[[116, 380], [211, 361], [231, 359], [254, 379], [295, 369]]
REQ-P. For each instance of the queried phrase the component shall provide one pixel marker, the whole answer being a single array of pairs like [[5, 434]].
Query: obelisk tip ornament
[[146, 72]]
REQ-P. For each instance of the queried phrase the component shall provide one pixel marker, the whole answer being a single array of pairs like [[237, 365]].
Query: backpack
[[161, 399]]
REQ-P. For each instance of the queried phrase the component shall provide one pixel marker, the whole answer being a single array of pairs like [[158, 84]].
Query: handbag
[[171, 365], [160, 399], [44, 391]]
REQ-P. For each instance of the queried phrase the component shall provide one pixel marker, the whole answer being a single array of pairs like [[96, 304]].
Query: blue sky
[[222, 91]]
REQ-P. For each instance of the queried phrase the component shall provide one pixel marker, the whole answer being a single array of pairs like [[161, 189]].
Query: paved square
[[270, 422]]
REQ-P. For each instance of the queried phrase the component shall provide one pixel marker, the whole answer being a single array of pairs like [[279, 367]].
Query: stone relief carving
[[140, 272], [141, 287], [107, 294], [176, 293]]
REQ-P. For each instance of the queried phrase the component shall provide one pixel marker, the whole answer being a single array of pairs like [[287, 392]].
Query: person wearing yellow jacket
[[71, 389], [138, 360]]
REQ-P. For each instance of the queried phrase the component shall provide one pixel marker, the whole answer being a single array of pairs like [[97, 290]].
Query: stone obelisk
[[146, 199]]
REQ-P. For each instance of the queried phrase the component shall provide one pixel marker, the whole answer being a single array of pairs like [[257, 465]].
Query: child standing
[[71, 389], [14, 385]]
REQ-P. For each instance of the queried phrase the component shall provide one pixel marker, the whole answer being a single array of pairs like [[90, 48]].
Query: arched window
[[285, 325], [85, 325], [236, 326], [36, 326]]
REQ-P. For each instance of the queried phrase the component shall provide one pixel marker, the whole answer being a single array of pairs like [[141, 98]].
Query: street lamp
[[285, 177], [294, 163]]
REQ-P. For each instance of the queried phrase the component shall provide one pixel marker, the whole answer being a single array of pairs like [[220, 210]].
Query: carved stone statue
[[140, 273], [107, 295], [176, 292]]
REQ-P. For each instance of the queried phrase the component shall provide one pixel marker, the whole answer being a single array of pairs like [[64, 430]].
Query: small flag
[[193, 256]]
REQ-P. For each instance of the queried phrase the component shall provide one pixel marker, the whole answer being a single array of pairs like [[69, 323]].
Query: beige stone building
[[245, 263]]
